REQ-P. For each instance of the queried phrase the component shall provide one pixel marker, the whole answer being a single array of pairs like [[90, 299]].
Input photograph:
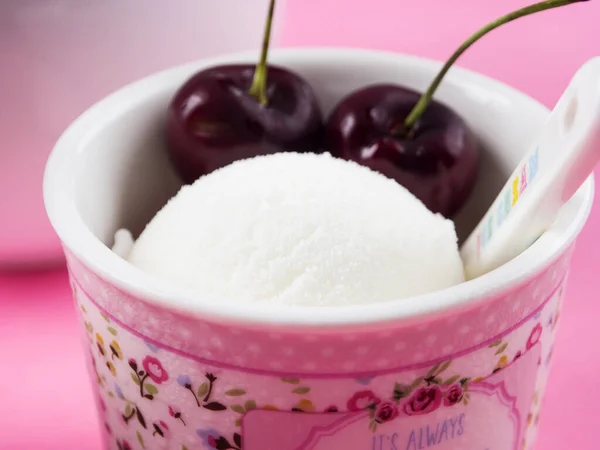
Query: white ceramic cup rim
[[59, 187]]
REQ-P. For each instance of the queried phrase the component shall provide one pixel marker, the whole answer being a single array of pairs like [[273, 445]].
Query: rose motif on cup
[[208, 436], [453, 395], [176, 414], [535, 336], [362, 400], [155, 370], [386, 412], [222, 443], [123, 445], [160, 429], [424, 401]]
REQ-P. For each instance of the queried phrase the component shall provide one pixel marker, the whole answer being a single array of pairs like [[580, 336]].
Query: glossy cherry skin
[[213, 120], [438, 161]]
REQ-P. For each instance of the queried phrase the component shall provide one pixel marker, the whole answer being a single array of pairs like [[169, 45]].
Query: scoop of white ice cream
[[299, 229]]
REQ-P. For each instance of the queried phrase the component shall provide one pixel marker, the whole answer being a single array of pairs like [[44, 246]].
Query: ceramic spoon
[[559, 161]]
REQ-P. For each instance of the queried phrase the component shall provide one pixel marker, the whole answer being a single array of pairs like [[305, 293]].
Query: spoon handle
[[562, 157]]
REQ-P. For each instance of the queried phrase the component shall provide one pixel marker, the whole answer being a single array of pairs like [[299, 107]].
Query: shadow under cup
[[464, 368]]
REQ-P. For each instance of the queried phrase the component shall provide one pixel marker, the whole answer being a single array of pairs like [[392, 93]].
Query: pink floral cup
[[464, 369]]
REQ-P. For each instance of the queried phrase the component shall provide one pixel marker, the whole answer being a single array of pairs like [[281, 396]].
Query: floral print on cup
[[160, 404], [453, 395], [424, 401], [363, 400], [423, 396], [155, 370], [202, 395], [535, 335], [386, 412]]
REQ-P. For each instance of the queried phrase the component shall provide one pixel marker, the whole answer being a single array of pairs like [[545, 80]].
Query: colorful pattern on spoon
[[559, 161]]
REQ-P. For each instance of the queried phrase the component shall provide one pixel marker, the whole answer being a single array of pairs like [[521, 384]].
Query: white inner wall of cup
[[110, 170]]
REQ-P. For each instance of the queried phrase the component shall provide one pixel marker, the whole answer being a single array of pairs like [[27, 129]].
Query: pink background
[[44, 397]]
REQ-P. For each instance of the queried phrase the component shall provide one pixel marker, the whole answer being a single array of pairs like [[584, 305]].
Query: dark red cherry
[[437, 161], [213, 120], [422, 144], [226, 113]]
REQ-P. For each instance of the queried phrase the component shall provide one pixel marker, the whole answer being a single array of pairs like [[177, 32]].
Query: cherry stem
[[259, 84], [423, 102]]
